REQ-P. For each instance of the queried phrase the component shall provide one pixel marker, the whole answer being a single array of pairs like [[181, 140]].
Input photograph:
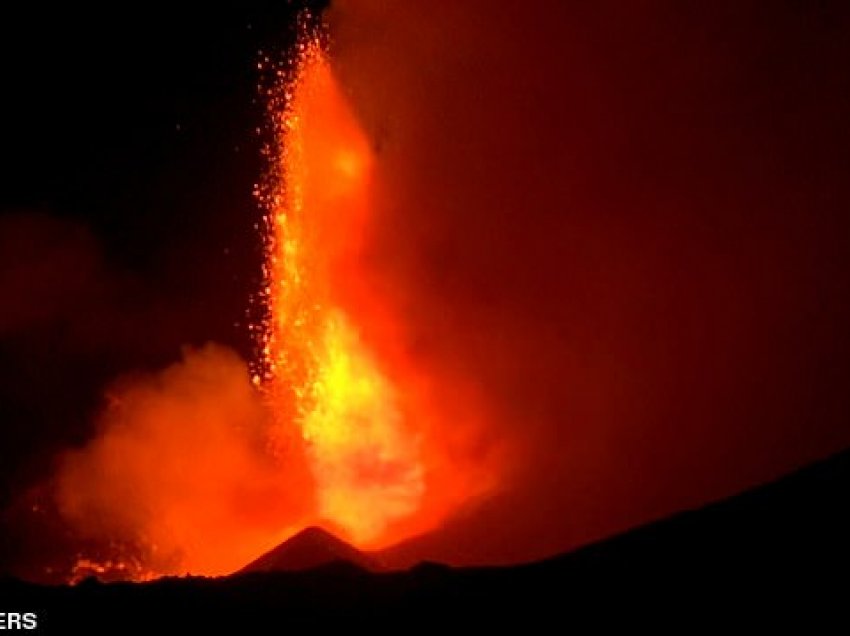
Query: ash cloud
[[116, 453], [88, 354], [626, 226], [181, 469]]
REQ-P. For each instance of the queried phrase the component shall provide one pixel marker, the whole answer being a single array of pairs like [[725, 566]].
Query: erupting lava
[[197, 470], [318, 371]]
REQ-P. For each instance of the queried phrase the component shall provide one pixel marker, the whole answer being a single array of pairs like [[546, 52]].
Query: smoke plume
[[181, 470], [626, 227]]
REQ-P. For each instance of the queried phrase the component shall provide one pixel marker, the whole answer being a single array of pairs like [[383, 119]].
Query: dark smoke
[[627, 223]]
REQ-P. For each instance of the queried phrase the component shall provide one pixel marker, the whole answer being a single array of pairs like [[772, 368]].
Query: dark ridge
[[776, 555]]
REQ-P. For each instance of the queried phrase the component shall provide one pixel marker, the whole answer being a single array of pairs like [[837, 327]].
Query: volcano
[[310, 548], [768, 554]]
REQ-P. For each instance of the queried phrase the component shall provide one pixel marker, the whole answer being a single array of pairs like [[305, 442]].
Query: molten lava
[[201, 468], [319, 372]]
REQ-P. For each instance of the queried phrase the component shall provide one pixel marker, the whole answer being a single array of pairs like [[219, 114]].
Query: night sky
[[626, 226], [129, 153]]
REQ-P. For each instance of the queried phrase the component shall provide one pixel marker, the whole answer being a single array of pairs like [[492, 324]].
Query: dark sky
[[625, 223], [129, 150]]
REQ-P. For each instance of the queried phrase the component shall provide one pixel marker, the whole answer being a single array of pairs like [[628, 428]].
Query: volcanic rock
[[311, 548]]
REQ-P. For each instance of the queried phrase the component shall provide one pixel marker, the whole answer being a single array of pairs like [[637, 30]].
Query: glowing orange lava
[[367, 466], [196, 469]]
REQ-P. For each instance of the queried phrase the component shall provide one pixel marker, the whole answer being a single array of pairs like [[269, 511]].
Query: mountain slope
[[776, 556]]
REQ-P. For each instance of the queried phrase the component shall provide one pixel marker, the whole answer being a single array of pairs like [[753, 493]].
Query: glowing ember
[[319, 372]]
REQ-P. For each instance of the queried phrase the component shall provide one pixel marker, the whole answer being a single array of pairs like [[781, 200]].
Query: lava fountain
[[318, 371], [197, 469]]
